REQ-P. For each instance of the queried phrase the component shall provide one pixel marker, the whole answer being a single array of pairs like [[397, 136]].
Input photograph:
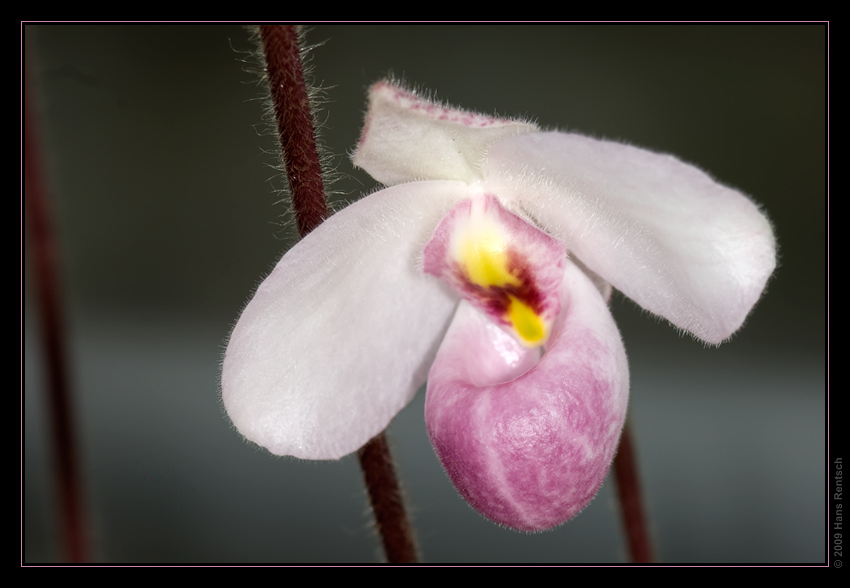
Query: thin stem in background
[[45, 256], [301, 159], [628, 490]]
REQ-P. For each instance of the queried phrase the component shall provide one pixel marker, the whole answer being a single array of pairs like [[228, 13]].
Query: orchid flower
[[485, 267]]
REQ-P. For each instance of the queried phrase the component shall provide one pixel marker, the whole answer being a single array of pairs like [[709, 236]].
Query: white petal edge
[[340, 336], [659, 230], [407, 138]]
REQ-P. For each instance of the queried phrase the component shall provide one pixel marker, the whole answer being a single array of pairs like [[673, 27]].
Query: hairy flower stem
[[628, 489], [387, 501], [45, 258], [300, 158], [294, 124]]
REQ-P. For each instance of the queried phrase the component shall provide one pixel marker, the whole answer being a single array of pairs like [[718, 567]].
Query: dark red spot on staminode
[[496, 299]]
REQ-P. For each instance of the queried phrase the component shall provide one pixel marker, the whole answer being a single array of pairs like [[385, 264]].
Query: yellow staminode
[[483, 252], [484, 255], [528, 325]]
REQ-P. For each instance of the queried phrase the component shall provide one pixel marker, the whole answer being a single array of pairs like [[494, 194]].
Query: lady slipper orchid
[[489, 261]]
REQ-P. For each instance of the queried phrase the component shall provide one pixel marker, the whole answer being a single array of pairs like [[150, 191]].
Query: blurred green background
[[169, 213]]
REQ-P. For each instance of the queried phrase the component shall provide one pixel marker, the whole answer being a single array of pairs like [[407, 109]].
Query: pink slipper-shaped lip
[[529, 442]]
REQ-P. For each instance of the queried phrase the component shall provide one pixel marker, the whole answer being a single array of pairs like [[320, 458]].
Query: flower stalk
[[294, 119], [387, 501], [45, 255], [631, 503]]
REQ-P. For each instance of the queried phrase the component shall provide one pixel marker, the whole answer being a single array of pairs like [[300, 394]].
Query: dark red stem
[[45, 259], [628, 488], [387, 501], [294, 124], [303, 169]]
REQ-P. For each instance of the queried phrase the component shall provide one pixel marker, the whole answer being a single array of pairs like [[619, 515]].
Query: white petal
[[661, 231], [407, 138], [342, 333]]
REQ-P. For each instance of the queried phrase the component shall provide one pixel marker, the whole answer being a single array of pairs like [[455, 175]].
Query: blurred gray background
[[166, 210]]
